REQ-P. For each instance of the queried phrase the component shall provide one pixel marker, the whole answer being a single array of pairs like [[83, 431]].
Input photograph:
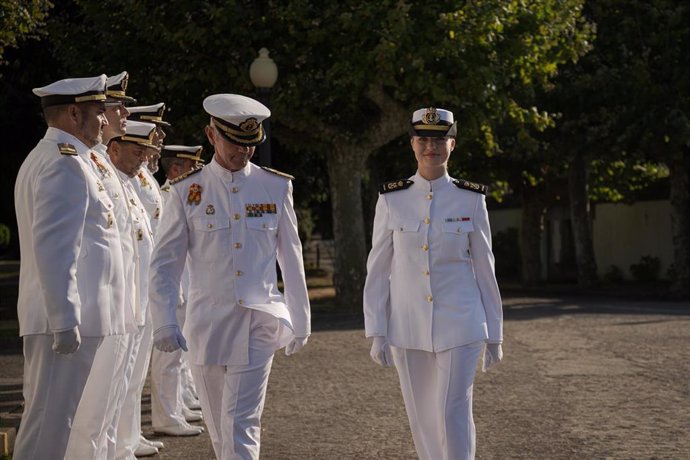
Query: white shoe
[[144, 450], [149, 442], [191, 415], [195, 427], [190, 401], [179, 430]]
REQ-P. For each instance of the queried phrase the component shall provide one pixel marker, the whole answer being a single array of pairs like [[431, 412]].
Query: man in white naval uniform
[[146, 185], [93, 433], [154, 114], [431, 300], [71, 280], [231, 221], [167, 403], [128, 154]]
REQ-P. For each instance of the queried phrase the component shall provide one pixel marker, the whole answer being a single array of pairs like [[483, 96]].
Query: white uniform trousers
[[92, 436], [129, 420], [232, 397], [166, 384], [53, 386], [437, 389], [187, 379]]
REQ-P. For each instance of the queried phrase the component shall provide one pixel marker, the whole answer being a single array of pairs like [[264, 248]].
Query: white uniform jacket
[[143, 238], [430, 273], [72, 266], [232, 227], [150, 195]]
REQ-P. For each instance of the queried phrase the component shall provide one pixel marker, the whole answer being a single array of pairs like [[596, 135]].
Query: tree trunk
[[345, 170], [679, 167], [530, 235], [581, 220]]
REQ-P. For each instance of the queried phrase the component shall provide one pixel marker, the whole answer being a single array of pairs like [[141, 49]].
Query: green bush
[[613, 275], [647, 269], [4, 235], [305, 224]]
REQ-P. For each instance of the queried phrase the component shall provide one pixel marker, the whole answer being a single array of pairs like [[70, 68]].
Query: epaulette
[[471, 186], [182, 177], [278, 173], [395, 185], [67, 149]]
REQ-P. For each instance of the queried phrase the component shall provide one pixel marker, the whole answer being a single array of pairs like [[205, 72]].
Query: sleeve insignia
[[182, 177], [278, 173], [67, 149], [394, 186], [471, 186]]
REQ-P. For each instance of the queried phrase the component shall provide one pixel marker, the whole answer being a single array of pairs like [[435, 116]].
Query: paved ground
[[582, 378]]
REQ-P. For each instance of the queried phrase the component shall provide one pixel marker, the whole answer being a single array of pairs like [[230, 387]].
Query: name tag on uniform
[[259, 209], [457, 219]]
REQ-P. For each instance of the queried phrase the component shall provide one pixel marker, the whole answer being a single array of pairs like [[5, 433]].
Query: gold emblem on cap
[[249, 125], [431, 117]]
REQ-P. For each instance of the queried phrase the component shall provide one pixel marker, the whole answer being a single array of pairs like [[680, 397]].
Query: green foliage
[[19, 20], [613, 275], [305, 223], [647, 269], [618, 180], [5, 235], [476, 58]]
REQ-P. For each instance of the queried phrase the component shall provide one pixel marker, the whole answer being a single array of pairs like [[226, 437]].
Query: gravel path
[[581, 379]]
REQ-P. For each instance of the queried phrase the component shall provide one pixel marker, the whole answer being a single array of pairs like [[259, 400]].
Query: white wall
[[624, 233]]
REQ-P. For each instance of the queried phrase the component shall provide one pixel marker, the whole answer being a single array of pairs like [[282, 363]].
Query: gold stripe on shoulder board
[[182, 177], [277, 173], [471, 186], [395, 185], [67, 149]]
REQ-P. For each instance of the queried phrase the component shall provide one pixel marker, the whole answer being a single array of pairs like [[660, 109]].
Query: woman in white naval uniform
[[431, 300], [231, 221]]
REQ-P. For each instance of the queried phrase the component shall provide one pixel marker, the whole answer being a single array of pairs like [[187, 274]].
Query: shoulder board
[[182, 177], [277, 173], [395, 185], [67, 149], [471, 186]]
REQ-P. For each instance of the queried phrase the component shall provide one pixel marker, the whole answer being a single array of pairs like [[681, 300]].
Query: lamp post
[[263, 72]]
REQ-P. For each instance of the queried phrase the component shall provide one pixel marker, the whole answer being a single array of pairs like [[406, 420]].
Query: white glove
[[381, 351], [296, 345], [169, 338], [493, 354], [66, 342]]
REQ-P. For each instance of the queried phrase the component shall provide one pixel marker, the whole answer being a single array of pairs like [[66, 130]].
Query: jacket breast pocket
[[456, 239], [405, 233], [210, 237], [264, 232]]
